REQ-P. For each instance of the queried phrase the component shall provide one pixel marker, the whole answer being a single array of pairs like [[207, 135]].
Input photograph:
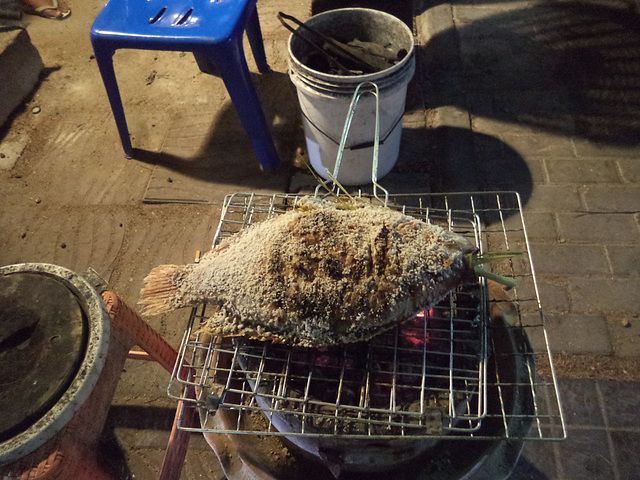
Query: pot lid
[[43, 339]]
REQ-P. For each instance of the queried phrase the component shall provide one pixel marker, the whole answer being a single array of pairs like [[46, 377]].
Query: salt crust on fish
[[317, 276]]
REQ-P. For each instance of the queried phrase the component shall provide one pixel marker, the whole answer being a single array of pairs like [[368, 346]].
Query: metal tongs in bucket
[[333, 185], [335, 52]]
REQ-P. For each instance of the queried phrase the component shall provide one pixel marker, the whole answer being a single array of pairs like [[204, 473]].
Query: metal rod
[[390, 369]]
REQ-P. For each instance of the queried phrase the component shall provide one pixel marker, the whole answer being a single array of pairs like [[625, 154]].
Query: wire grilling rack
[[464, 369]]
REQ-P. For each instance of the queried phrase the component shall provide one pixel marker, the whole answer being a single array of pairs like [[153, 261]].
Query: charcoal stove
[[451, 394]]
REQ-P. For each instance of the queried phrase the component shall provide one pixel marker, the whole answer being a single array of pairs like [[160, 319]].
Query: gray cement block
[[608, 229], [20, 67], [629, 169], [572, 334], [612, 198], [625, 260], [11, 147], [604, 295], [568, 259], [434, 20], [582, 170], [554, 198]]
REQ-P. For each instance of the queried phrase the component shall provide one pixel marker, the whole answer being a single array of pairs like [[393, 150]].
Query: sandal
[[53, 11]]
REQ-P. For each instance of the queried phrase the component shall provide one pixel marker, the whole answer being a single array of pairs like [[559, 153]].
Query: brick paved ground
[[538, 91], [536, 96]]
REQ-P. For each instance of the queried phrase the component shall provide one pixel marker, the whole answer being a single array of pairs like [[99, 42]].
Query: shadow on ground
[[212, 145], [111, 455], [453, 159], [525, 470], [484, 162], [571, 68]]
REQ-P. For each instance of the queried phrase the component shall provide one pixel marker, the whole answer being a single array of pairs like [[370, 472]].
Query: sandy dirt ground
[[74, 200]]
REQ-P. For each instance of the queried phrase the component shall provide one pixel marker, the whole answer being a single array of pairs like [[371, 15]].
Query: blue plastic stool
[[212, 30]]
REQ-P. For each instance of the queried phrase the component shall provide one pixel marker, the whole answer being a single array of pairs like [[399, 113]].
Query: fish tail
[[160, 293]]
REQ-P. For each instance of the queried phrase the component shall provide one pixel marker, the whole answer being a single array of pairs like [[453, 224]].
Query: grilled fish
[[317, 275]]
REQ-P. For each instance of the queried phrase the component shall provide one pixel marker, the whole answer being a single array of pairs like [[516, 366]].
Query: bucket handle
[[359, 146], [362, 89]]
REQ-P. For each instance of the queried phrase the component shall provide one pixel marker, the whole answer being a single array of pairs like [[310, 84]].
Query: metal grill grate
[[427, 378]]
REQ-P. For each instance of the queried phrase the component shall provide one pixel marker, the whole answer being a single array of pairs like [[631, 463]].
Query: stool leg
[[124, 318], [104, 58], [230, 60], [140, 332], [254, 34], [179, 439]]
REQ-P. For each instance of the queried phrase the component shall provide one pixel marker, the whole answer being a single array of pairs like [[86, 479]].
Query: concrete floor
[[73, 199]]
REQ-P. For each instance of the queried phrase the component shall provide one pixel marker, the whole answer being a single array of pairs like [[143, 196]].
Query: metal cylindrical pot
[[325, 98]]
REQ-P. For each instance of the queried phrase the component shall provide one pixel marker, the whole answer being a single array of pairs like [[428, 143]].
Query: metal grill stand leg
[[124, 318]]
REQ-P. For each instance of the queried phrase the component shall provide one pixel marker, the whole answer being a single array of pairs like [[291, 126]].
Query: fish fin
[[160, 294]]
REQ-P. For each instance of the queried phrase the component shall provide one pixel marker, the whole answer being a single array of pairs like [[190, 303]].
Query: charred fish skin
[[317, 276]]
